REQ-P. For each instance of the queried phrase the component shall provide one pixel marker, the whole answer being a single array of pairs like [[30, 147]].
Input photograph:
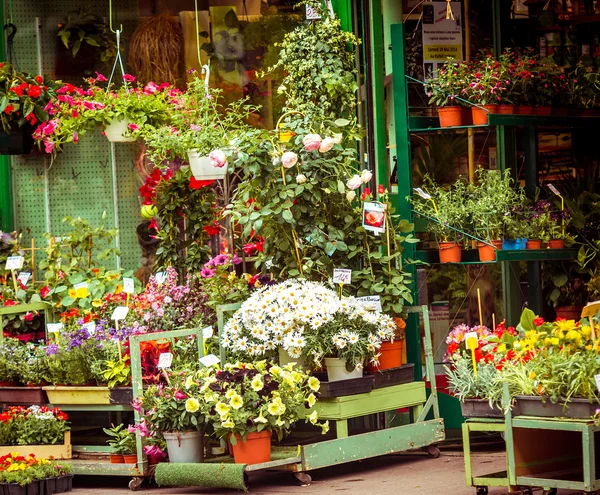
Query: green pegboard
[[80, 180]]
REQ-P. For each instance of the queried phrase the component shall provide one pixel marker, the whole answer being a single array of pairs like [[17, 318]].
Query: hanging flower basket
[[116, 131], [16, 142], [203, 168]]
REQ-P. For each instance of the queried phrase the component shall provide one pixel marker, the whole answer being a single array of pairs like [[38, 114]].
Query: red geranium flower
[[212, 229], [380, 189], [198, 184], [34, 91], [538, 321]]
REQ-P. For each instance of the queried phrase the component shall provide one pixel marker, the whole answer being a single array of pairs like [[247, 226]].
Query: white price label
[[597, 378], [373, 302], [120, 313], [165, 360], [553, 189], [470, 336], [54, 327], [90, 327], [128, 286], [209, 360], [422, 193], [342, 276], [82, 285], [207, 333], [14, 262], [160, 277], [312, 13], [24, 277]]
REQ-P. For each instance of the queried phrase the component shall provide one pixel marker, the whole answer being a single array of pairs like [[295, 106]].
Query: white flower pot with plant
[[116, 131], [208, 167], [185, 446], [337, 370]]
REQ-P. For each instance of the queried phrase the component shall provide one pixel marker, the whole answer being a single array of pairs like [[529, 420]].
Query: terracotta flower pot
[[556, 243], [391, 355], [506, 109], [450, 252], [543, 110], [560, 111], [569, 312], [480, 115], [116, 459], [130, 459], [534, 244], [524, 110], [487, 252], [450, 116], [254, 450]]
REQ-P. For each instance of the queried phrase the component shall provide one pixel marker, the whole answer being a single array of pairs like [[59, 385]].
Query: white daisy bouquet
[[254, 397], [306, 319]]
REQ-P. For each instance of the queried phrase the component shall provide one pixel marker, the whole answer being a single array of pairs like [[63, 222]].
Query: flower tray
[[58, 451], [480, 408], [121, 395], [394, 376], [541, 406], [15, 396], [58, 395], [345, 387]]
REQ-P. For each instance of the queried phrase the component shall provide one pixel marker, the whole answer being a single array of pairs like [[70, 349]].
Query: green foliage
[[121, 441], [464, 385], [9, 367], [31, 361], [449, 83], [84, 28], [117, 373]]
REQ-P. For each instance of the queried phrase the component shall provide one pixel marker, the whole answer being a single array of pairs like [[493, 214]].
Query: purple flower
[[179, 395], [51, 350], [235, 259], [207, 272], [222, 259]]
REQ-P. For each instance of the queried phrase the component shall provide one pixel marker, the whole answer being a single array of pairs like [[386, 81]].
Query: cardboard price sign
[[120, 313], [24, 277], [14, 262], [374, 302], [54, 327], [165, 360], [128, 286], [210, 360], [342, 276]]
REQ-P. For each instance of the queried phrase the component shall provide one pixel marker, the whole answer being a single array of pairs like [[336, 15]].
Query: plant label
[[374, 217], [24, 277], [128, 286], [90, 327], [422, 193], [54, 327], [372, 302], [553, 189], [471, 340], [312, 13], [342, 276], [160, 277], [207, 333], [14, 262], [210, 360], [597, 378], [120, 313], [165, 360]]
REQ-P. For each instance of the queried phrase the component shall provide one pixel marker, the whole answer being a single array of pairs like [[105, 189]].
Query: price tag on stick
[[24, 277], [90, 327], [14, 262], [472, 343], [165, 360], [119, 313], [342, 276], [210, 360], [54, 327], [160, 277], [128, 287]]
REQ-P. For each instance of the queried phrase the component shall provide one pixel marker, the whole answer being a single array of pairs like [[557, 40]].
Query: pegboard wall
[[80, 180]]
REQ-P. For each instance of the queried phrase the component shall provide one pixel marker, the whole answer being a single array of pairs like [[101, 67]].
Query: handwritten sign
[[312, 13], [209, 360], [372, 302], [82, 289], [342, 276], [165, 360], [128, 286], [54, 327], [14, 262], [120, 313], [422, 193], [553, 189], [471, 340], [24, 277], [207, 333]]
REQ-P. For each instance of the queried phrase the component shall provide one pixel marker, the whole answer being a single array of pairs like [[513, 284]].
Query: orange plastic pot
[[450, 116], [543, 110], [130, 458], [391, 355], [487, 252], [506, 109], [450, 252], [534, 244], [116, 459], [524, 110], [480, 115], [556, 243], [256, 448]]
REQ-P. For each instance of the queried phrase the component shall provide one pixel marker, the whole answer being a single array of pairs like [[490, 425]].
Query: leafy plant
[[121, 441], [83, 28], [117, 373]]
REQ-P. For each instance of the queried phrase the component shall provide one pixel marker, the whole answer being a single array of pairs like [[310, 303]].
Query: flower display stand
[[77, 395], [16, 396], [58, 451], [24, 308]]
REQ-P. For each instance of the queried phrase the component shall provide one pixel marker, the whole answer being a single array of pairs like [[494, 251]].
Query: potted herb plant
[[449, 83], [546, 225], [484, 88], [246, 403], [122, 444]]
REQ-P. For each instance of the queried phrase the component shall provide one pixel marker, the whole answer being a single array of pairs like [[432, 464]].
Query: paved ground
[[390, 475]]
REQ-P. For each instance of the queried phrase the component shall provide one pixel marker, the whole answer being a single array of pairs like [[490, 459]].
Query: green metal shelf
[[428, 124], [103, 467], [471, 256]]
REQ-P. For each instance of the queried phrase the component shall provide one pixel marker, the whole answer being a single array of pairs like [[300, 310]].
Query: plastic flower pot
[[480, 114], [256, 449], [450, 116], [50, 485], [510, 244], [14, 489], [203, 169], [506, 109], [569, 312], [61, 485], [69, 482], [185, 446], [116, 459], [556, 243], [34, 488], [543, 110], [450, 252], [487, 252], [116, 130], [130, 458], [534, 244], [336, 370], [524, 110], [391, 355], [522, 243]]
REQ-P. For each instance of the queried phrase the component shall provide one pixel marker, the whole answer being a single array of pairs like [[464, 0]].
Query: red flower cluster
[[69, 315], [148, 190], [20, 411], [199, 184], [252, 248], [212, 229]]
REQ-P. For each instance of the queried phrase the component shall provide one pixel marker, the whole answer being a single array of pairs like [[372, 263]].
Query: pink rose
[[150, 88], [217, 158], [289, 159], [311, 142], [326, 145], [354, 183], [366, 175]]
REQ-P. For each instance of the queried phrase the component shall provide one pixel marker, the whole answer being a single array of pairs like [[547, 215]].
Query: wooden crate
[[58, 395], [58, 451]]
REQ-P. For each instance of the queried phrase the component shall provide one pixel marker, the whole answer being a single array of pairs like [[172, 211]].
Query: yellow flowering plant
[[254, 397]]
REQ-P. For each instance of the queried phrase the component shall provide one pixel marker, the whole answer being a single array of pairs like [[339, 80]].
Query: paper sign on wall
[[342, 276], [165, 360], [128, 286], [373, 302], [120, 313], [442, 37], [54, 327], [209, 360], [24, 277], [14, 262]]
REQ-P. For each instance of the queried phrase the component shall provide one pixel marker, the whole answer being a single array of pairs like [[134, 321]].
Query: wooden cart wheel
[[304, 478], [482, 490], [135, 483], [433, 451], [527, 491]]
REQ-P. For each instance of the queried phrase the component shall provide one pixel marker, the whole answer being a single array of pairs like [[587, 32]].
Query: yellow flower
[[96, 303], [232, 276], [586, 331], [257, 383], [230, 393], [314, 417], [555, 341], [279, 422], [236, 401], [189, 381], [501, 348], [73, 293], [275, 370], [532, 375], [574, 335], [260, 419], [82, 292], [324, 427], [311, 399], [192, 405], [247, 276], [222, 409], [276, 408], [118, 289], [314, 384], [228, 423], [564, 326]]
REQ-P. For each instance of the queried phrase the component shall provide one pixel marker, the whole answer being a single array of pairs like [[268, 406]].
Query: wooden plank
[[58, 451], [372, 444], [279, 463], [24, 308], [98, 468], [379, 400], [539, 424]]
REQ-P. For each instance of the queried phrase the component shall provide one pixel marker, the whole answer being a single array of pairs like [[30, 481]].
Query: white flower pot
[[203, 169], [336, 370], [185, 447], [285, 358], [116, 130]]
